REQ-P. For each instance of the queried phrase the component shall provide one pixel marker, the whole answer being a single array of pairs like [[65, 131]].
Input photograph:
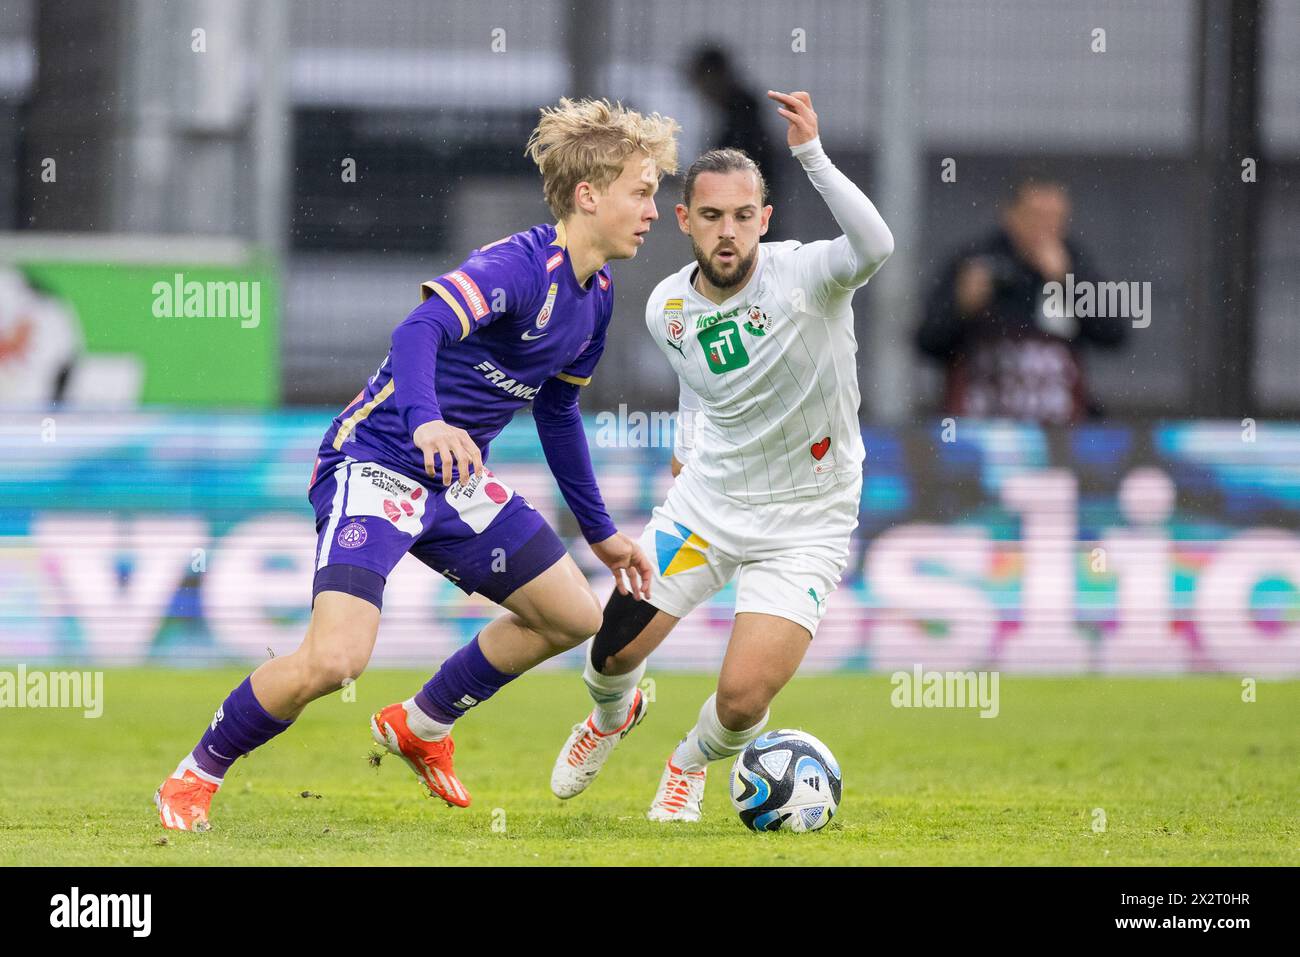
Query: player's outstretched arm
[[867, 241], [564, 442]]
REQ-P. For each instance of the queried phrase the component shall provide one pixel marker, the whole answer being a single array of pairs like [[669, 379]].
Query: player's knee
[[570, 622], [579, 623], [327, 670], [625, 618], [740, 707]]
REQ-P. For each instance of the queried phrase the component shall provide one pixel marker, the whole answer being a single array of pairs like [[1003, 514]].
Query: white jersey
[[775, 372], [773, 369]]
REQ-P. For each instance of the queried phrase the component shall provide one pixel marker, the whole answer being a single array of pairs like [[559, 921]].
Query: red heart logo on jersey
[[819, 449]]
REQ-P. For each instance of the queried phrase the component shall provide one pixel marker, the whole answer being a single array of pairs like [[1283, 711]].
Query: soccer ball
[[786, 780]]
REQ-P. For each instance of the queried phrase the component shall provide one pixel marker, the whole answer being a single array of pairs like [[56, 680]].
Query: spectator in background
[[1005, 353], [739, 123]]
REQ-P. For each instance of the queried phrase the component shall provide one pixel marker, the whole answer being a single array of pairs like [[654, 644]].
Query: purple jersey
[[508, 327]]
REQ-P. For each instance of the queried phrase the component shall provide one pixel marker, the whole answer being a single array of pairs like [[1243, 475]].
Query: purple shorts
[[483, 536]]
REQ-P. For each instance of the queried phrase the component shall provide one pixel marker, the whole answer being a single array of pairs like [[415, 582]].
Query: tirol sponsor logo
[[713, 318], [133, 912], [353, 535]]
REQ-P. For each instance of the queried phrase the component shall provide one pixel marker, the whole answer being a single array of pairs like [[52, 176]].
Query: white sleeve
[[688, 407], [852, 259]]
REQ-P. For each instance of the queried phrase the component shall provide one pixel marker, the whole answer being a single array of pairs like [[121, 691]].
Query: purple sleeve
[[414, 350], [564, 441], [494, 282]]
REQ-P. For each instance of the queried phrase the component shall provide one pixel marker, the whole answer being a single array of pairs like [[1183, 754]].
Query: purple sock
[[240, 725], [464, 680]]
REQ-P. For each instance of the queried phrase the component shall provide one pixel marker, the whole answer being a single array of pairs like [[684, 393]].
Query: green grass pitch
[[1184, 771]]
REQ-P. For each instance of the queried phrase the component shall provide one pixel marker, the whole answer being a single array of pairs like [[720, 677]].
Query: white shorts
[[789, 555]]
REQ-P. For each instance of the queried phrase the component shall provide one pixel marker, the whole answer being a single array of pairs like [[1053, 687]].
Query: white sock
[[421, 725], [613, 695], [189, 764], [710, 741]]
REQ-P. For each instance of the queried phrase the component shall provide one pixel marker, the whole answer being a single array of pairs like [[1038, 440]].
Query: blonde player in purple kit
[[401, 469]]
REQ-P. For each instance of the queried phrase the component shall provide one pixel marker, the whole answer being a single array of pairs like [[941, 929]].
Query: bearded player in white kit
[[768, 458]]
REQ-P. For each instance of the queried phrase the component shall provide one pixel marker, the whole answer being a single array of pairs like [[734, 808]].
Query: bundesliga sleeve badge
[[674, 324]]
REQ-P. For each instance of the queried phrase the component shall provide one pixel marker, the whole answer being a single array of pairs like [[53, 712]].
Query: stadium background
[[159, 513]]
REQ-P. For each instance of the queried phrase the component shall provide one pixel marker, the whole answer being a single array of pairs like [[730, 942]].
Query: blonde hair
[[590, 140]]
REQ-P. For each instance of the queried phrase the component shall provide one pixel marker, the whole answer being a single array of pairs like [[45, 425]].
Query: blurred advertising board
[[1171, 548], [131, 320]]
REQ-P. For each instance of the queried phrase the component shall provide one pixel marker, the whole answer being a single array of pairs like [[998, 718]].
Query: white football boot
[[587, 750], [679, 796]]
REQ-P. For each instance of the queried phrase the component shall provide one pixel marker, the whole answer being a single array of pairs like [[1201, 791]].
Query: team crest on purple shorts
[[352, 535]]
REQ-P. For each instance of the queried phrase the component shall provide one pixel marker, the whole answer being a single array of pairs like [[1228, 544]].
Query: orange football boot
[[430, 760], [183, 802]]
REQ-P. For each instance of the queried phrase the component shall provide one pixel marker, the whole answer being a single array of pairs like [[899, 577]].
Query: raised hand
[[798, 111]]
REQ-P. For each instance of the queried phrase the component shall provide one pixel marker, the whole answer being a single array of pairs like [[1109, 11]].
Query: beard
[[727, 280]]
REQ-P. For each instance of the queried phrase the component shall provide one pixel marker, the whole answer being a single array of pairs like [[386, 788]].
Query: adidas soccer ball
[[786, 780]]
